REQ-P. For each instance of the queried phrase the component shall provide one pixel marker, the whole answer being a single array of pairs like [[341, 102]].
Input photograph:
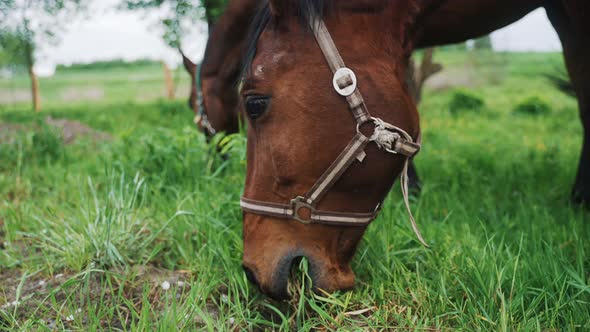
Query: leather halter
[[388, 138], [201, 118]]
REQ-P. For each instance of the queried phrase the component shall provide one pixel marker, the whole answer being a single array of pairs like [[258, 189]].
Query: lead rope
[[405, 192], [386, 140]]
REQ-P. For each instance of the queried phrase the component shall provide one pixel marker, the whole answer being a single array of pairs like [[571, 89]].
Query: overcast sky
[[113, 34]]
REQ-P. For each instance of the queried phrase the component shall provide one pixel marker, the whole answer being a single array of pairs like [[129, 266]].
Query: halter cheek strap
[[387, 137], [201, 117]]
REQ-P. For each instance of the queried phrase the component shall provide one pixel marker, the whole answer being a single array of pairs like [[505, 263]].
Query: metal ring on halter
[[298, 204], [359, 124]]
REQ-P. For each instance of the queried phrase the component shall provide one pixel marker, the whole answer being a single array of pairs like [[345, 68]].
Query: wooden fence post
[[35, 93], [169, 81]]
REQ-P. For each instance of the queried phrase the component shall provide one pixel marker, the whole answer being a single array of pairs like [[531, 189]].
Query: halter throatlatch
[[387, 137]]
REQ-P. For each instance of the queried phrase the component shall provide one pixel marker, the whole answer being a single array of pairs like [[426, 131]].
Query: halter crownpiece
[[387, 137]]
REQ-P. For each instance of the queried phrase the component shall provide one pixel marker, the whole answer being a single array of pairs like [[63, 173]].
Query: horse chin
[[272, 259]]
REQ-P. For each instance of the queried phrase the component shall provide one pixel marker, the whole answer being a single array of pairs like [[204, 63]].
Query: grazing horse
[[325, 143], [214, 97], [300, 119], [299, 124], [441, 22]]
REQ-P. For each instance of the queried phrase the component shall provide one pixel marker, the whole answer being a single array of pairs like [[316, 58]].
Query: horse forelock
[[319, 9]]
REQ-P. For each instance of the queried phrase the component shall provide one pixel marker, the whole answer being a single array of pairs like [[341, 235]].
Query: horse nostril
[[250, 275], [295, 266]]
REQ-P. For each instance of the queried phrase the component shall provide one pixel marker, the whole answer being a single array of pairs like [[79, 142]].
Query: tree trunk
[[35, 94], [417, 76], [169, 81], [29, 54]]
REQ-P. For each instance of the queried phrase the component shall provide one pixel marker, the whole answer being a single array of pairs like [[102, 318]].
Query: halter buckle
[[299, 204], [344, 81]]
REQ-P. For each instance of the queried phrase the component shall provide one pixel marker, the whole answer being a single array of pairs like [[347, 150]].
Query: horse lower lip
[[277, 292], [251, 276]]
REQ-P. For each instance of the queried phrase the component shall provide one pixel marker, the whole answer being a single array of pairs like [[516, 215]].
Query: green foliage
[[213, 9], [23, 24], [483, 43], [179, 15], [40, 146], [46, 145], [45, 8], [453, 47], [533, 106], [465, 101], [15, 48], [107, 65]]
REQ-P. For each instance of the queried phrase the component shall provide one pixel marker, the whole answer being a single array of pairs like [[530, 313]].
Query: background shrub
[[39, 144], [463, 100], [533, 106]]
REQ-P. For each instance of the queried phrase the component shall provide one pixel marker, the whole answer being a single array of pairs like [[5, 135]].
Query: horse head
[[331, 126]]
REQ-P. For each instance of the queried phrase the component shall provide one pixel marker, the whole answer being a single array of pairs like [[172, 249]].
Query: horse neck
[[451, 21]]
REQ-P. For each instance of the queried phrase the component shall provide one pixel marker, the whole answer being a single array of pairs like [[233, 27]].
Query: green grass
[[93, 229]]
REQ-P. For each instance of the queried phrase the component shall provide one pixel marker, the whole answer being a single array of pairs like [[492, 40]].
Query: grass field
[[138, 84], [142, 231]]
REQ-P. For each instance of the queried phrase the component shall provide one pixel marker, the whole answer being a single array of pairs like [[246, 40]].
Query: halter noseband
[[388, 138]]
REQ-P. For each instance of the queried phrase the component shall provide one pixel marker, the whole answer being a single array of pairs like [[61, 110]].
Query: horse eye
[[256, 106]]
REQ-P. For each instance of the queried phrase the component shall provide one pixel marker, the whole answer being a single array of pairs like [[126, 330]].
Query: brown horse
[[299, 125], [214, 101], [441, 22], [217, 110]]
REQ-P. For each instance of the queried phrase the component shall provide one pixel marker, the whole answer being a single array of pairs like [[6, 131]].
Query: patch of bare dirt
[[80, 94], [8, 96], [452, 78], [70, 130]]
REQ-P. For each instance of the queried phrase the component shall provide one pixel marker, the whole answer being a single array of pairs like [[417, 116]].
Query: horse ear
[[190, 66]]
